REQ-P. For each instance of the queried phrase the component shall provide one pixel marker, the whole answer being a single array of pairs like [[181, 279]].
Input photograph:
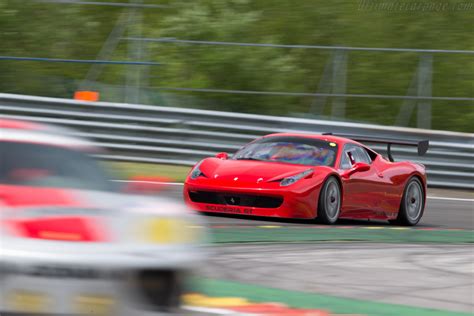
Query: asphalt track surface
[[436, 276], [444, 209], [419, 275]]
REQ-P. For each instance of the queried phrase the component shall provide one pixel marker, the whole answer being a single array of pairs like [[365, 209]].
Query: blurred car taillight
[[61, 228]]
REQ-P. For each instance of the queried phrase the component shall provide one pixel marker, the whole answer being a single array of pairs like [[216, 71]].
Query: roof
[[38, 133], [329, 138]]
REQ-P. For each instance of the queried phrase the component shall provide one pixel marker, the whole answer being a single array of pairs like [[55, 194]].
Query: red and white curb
[[237, 306]]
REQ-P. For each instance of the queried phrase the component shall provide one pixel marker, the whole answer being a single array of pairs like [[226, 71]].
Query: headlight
[[290, 180], [196, 173]]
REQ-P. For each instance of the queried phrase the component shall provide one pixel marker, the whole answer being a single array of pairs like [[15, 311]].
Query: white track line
[[153, 182], [213, 311], [449, 199], [181, 184]]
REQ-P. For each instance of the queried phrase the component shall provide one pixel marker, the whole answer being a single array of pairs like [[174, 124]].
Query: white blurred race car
[[73, 243]]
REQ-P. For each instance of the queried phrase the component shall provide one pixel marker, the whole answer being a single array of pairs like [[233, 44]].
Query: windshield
[[294, 150], [48, 166]]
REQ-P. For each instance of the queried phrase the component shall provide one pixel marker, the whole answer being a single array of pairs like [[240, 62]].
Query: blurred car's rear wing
[[422, 145]]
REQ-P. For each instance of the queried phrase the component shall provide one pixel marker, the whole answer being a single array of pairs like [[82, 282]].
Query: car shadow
[[257, 221]]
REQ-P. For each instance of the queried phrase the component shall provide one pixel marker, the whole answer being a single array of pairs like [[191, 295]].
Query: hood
[[248, 171]]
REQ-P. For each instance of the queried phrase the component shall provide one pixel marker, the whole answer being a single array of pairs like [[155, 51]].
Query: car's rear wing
[[422, 145]]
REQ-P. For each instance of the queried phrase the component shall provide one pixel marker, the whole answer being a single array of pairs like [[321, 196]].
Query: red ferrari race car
[[310, 176]]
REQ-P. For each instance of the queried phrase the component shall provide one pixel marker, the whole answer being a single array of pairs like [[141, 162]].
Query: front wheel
[[412, 204], [329, 204]]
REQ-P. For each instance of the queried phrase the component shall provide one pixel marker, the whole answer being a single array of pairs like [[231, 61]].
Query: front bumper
[[58, 289], [85, 277], [297, 201]]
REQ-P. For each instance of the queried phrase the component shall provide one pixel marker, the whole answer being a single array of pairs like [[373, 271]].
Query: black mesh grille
[[228, 198]]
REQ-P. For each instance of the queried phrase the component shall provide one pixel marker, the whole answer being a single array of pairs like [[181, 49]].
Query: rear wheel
[[329, 204], [412, 204]]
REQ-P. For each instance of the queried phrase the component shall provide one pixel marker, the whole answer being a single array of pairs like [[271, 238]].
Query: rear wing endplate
[[422, 145]]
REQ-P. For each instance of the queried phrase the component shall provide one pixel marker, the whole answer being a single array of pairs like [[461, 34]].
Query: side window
[[347, 158], [353, 154], [372, 155], [362, 155]]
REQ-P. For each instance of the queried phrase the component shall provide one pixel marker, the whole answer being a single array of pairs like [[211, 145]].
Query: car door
[[361, 189]]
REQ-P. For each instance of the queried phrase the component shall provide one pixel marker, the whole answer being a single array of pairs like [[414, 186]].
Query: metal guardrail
[[156, 134]]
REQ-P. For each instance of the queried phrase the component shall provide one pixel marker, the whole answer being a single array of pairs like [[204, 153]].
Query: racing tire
[[330, 200], [412, 204]]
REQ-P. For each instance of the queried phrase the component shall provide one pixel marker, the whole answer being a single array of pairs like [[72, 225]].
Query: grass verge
[[127, 170], [340, 234]]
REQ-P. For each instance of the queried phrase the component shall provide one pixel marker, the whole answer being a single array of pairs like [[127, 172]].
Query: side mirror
[[357, 167], [361, 167], [223, 156]]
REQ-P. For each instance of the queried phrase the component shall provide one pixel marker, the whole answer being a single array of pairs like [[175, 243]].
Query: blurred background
[[403, 63]]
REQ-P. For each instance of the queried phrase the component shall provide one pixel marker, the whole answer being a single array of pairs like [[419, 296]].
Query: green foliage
[[28, 28]]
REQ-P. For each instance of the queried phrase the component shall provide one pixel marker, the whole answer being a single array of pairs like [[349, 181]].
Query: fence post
[[105, 52], [333, 80], [319, 103], [132, 89], [339, 84], [421, 85], [425, 75]]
